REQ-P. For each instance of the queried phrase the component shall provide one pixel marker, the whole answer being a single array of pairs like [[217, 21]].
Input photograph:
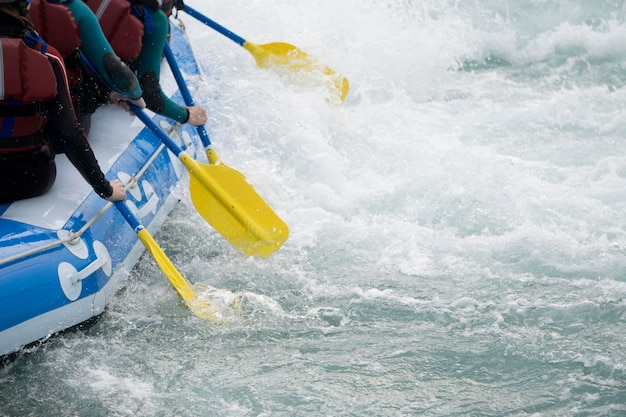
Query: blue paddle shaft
[[156, 129], [128, 215], [178, 75], [214, 25], [184, 90]]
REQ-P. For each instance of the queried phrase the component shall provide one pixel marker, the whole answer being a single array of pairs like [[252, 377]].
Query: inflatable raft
[[65, 254]]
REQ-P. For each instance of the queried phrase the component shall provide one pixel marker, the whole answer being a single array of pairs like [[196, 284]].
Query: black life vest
[[27, 81]]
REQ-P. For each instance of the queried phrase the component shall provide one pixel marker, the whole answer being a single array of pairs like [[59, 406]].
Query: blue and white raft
[[65, 254]]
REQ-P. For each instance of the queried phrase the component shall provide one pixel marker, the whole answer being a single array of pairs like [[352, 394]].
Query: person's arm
[[148, 67], [67, 136], [99, 55]]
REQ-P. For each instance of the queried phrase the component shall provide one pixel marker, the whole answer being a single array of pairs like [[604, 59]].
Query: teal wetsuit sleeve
[[100, 55], [148, 67]]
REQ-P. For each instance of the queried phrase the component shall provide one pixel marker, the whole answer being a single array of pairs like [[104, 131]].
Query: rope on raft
[[73, 237]]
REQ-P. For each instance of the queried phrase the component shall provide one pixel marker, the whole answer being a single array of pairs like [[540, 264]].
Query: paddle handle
[[184, 90], [214, 25]]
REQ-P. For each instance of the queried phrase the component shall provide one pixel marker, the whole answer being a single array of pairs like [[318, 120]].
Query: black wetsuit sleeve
[[93, 94], [67, 136]]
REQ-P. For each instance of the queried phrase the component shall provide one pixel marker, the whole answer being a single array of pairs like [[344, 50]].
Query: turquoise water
[[457, 227]]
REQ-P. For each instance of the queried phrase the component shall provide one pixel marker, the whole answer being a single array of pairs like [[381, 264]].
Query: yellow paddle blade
[[230, 204], [285, 55], [182, 286]]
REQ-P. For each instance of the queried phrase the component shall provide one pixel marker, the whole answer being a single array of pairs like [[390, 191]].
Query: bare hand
[[197, 115], [119, 193]]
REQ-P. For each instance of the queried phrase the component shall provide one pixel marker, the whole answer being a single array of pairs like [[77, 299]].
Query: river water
[[456, 238]]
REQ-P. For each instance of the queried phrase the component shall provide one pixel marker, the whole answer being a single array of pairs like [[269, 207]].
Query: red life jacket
[[56, 24], [27, 81], [122, 29]]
